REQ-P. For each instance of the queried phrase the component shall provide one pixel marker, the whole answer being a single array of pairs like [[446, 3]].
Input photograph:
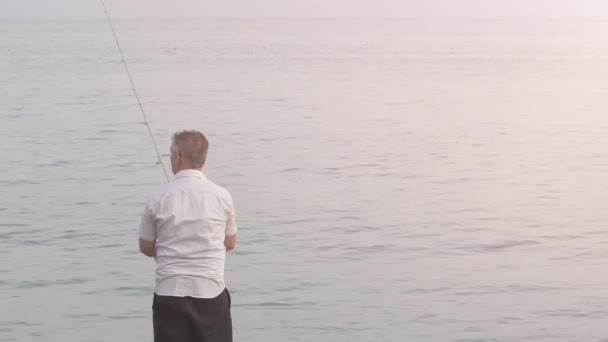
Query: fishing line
[[141, 107]]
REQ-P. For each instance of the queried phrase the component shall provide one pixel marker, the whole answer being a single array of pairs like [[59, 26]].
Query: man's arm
[[147, 234], [147, 247], [230, 239], [230, 242]]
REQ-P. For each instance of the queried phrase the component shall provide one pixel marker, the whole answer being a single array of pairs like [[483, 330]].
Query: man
[[187, 226]]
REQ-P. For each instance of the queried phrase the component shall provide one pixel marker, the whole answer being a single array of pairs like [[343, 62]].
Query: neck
[[176, 171]]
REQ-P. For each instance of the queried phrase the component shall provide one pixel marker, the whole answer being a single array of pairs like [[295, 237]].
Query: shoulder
[[159, 194], [220, 191]]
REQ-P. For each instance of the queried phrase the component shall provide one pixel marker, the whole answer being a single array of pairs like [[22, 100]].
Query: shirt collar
[[190, 173]]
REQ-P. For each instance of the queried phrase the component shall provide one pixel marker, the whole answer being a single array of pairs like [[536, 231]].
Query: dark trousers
[[188, 319]]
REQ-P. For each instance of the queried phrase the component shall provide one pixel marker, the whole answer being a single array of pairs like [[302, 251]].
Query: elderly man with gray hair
[[187, 226]]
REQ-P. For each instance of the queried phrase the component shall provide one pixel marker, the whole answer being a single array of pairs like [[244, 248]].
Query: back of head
[[193, 147]]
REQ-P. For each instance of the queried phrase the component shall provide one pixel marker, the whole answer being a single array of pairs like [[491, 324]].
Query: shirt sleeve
[[147, 230], [231, 222]]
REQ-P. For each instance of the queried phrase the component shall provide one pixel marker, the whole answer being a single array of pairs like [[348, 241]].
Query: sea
[[394, 179]]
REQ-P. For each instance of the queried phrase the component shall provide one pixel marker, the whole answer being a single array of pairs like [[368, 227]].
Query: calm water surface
[[395, 180]]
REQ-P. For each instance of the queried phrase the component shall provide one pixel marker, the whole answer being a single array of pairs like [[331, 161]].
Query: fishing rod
[[141, 107]]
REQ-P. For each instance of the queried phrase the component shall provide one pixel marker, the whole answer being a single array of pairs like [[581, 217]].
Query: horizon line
[[526, 18]]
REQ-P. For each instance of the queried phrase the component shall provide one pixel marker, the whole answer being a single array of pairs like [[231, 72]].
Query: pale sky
[[91, 9]]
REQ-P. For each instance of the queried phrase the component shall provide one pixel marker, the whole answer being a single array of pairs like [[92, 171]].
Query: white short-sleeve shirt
[[189, 219]]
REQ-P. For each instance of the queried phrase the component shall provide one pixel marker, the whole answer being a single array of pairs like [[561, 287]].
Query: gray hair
[[192, 145]]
